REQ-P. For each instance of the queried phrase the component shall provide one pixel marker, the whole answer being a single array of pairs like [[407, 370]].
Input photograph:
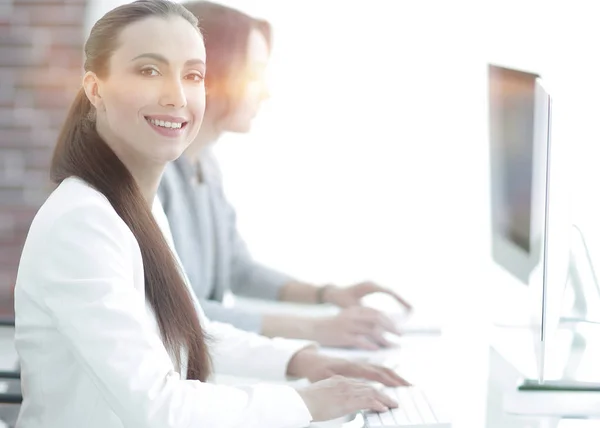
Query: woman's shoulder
[[74, 194], [75, 226], [76, 200]]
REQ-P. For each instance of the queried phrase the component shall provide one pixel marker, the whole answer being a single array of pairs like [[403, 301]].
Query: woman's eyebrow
[[164, 60]]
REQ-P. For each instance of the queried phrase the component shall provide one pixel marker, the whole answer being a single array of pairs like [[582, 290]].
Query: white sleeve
[[241, 353], [87, 288]]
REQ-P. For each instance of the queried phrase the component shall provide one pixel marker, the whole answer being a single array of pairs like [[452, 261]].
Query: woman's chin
[[169, 155]]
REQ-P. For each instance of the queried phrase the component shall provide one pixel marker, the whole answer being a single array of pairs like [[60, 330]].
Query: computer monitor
[[519, 154], [531, 232], [516, 192]]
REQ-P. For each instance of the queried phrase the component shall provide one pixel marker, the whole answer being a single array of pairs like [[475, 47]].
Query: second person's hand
[[356, 327], [346, 297]]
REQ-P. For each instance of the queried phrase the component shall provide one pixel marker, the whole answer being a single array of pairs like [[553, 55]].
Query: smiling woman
[[107, 130], [107, 330], [146, 78]]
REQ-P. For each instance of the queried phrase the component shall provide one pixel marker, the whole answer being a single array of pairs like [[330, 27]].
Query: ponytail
[[81, 152]]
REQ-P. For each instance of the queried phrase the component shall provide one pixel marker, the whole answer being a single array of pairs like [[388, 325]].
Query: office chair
[[7, 322], [9, 398]]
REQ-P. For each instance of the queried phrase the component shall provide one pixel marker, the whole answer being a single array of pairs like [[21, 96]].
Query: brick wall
[[41, 44]]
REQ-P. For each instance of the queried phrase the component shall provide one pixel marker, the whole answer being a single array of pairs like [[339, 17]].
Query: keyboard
[[414, 411]]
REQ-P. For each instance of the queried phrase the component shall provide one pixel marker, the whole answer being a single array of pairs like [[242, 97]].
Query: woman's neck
[[148, 182], [207, 136], [146, 174], [147, 177]]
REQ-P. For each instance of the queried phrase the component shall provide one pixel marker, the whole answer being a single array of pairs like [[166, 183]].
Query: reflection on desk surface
[[578, 423]]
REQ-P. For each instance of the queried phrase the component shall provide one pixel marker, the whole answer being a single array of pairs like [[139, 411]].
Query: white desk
[[467, 369], [460, 369], [576, 423]]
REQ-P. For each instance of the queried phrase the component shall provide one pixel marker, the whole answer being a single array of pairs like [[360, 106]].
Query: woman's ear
[[91, 86]]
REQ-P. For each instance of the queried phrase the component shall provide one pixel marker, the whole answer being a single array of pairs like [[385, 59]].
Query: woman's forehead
[[174, 38]]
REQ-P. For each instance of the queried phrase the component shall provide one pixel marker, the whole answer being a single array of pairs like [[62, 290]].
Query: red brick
[[22, 138], [26, 36], [65, 57], [7, 282], [18, 16], [38, 158], [43, 56], [49, 2], [12, 196], [36, 195], [44, 137], [8, 76], [57, 116], [51, 98], [8, 227], [8, 37], [11, 118], [7, 96], [29, 117], [15, 138], [51, 76], [41, 45], [21, 216], [18, 57], [8, 256], [59, 15]]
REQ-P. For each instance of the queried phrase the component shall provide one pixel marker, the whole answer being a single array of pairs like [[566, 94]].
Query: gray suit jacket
[[213, 254]]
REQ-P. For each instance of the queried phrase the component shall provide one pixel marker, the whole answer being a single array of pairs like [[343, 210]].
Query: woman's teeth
[[164, 124]]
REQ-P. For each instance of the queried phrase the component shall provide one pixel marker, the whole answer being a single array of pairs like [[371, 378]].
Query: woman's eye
[[149, 72], [196, 77]]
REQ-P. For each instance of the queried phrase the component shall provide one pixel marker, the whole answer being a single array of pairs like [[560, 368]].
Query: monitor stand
[[566, 396], [584, 296]]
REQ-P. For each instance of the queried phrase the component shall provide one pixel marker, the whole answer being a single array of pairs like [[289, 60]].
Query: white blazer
[[89, 345]]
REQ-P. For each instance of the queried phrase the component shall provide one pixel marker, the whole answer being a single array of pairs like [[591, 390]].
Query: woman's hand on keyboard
[[339, 396], [356, 327], [308, 363]]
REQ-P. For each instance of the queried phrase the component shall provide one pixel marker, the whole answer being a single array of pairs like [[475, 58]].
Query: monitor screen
[[512, 104]]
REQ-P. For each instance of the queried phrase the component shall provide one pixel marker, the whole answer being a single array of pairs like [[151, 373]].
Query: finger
[[369, 316], [404, 303], [399, 380], [379, 375], [375, 319], [400, 300], [361, 326], [362, 342], [373, 333], [366, 397], [370, 288], [389, 325], [377, 337], [386, 400], [370, 373], [372, 404]]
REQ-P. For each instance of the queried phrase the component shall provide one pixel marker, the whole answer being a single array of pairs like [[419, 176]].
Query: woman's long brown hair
[[81, 152]]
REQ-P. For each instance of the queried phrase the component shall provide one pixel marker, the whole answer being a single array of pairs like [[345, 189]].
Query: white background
[[371, 158]]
